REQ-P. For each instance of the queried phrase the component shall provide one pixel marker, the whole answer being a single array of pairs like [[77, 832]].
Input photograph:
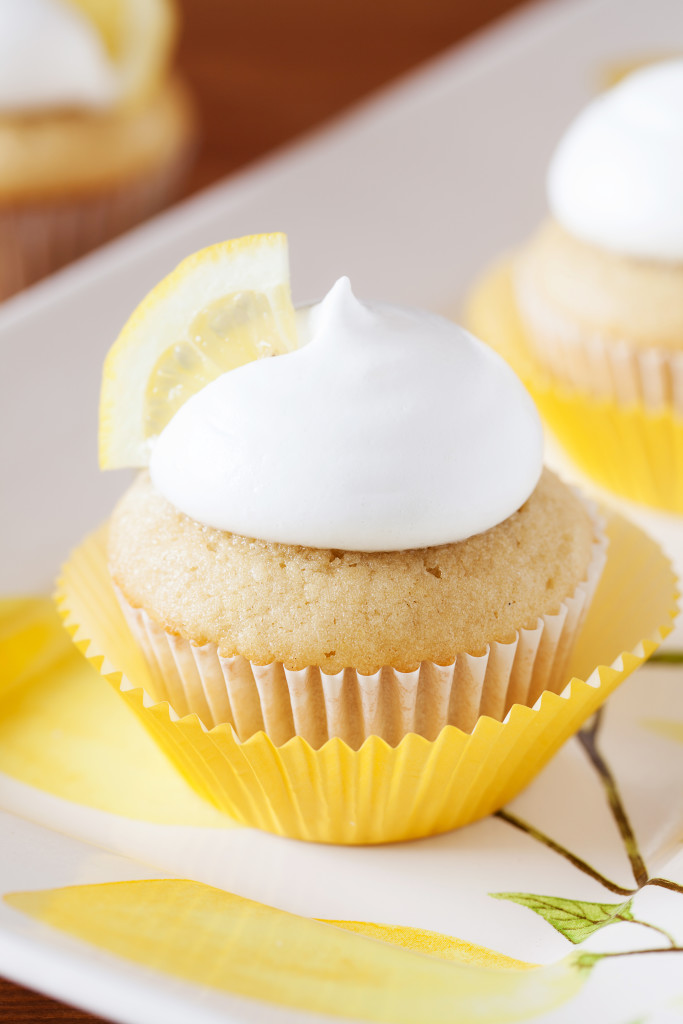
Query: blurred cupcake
[[94, 134], [590, 310], [600, 287], [345, 584]]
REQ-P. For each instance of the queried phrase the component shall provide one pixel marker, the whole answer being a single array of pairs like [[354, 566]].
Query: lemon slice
[[139, 36], [222, 307]]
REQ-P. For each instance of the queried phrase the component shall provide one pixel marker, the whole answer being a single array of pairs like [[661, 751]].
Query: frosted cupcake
[[355, 539], [94, 134], [342, 594], [600, 287], [590, 310]]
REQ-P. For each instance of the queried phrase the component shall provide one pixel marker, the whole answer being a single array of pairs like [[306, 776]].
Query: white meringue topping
[[52, 57], [391, 429], [616, 178]]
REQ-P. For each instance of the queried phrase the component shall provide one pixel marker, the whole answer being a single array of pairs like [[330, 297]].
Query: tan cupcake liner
[[602, 367], [38, 238], [351, 706]]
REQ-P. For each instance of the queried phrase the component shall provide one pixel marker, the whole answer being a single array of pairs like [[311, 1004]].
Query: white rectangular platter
[[410, 195]]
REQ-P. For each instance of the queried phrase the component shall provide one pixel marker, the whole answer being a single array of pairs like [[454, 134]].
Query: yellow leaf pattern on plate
[[63, 729], [215, 938]]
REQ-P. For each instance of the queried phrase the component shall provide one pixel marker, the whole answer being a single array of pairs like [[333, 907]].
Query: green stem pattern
[[666, 883], [588, 738], [668, 657], [582, 865], [655, 928], [638, 952]]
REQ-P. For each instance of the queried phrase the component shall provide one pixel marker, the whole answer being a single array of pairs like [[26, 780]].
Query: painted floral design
[[578, 920]]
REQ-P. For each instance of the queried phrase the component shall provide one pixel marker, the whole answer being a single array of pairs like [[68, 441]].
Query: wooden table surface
[[262, 73]]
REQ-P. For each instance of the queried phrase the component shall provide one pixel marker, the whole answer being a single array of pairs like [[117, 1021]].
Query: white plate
[[411, 195]]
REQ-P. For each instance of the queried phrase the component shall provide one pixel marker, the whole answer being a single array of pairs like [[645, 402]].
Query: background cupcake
[[94, 134], [590, 310], [600, 287]]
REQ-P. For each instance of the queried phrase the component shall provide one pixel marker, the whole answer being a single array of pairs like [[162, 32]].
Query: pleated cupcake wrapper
[[630, 448], [382, 793], [38, 238], [602, 367], [352, 706]]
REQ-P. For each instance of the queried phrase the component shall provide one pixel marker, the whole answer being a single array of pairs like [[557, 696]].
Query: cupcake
[[590, 309], [315, 553], [342, 593], [94, 134], [600, 286]]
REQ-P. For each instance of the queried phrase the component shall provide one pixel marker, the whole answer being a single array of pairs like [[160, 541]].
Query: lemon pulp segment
[[220, 308], [229, 332]]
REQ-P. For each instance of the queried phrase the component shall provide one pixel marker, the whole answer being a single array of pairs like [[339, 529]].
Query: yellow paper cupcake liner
[[381, 793], [629, 449]]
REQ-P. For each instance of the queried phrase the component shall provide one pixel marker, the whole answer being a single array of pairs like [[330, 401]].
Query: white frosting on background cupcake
[[52, 57], [391, 429], [616, 178]]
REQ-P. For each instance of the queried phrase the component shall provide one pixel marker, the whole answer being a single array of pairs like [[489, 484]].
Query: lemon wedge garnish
[[221, 308], [139, 36]]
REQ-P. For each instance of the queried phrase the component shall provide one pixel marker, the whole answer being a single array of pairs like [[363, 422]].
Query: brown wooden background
[[263, 71]]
